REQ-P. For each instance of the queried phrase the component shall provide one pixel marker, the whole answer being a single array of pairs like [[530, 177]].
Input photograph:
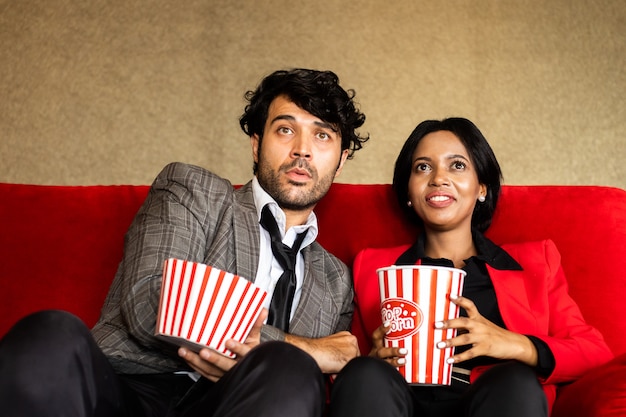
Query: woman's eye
[[422, 167], [459, 165]]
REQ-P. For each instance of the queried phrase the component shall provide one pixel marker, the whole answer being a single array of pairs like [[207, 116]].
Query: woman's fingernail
[[439, 325], [386, 324], [403, 351], [450, 360], [401, 361], [441, 345]]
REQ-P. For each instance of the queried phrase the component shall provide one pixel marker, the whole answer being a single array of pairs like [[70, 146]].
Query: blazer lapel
[[312, 293], [246, 233], [512, 296]]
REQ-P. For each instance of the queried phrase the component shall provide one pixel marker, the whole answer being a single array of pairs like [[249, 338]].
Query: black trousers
[[51, 366], [371, 387]]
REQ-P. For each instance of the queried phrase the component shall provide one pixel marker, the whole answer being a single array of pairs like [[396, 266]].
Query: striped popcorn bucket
[[202, 306], [414, 297]]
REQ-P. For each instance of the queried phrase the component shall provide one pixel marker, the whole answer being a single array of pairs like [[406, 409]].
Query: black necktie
[[282, 299]]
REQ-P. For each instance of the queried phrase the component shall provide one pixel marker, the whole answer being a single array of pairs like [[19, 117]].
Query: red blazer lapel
[[512, 296]]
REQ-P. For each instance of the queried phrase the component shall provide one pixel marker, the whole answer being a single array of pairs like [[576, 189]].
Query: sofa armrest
[[600, 392]]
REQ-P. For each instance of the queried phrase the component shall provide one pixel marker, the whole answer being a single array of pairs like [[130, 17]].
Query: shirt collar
[[488, 252], [262, 198], [494, 255]]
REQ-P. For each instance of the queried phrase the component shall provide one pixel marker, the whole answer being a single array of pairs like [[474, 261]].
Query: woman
[[520, 333]]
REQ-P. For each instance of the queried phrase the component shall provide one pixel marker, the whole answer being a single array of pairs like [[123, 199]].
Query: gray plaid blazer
[[192, 214]]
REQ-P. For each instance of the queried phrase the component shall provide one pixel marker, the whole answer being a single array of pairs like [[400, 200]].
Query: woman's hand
[[393, 355], [485, 338]]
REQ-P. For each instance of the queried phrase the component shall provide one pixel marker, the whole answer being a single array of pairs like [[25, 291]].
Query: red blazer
[[533, 302]]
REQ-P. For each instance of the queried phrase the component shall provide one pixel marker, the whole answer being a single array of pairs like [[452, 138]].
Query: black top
[[479, 288]]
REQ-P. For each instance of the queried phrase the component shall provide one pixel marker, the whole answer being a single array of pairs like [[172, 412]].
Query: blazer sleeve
[[577, 346], [175, 221]]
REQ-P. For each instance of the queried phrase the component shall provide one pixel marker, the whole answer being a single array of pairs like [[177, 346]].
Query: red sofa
[[60, 246]]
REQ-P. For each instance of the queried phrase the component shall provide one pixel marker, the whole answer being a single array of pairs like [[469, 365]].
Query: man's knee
[[44, 345], [285, 360], [273, 379], [364, 368], [48, 330], [41, 357]]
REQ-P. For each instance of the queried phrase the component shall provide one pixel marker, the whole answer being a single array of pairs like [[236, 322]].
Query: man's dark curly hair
[[317, 92]]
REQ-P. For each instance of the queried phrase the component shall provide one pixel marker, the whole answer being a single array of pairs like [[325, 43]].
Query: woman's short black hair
[[317, 92], [482, 157]]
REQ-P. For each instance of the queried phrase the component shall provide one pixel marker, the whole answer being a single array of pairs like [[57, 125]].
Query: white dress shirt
[[269, 269]]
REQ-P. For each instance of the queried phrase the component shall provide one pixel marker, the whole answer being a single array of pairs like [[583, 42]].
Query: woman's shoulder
[[368, 259], [530, 252], [376, 253]]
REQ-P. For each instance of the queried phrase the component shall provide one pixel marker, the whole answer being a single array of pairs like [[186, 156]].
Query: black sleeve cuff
[[545, 358]]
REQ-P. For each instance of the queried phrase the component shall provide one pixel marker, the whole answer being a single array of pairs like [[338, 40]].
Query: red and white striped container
[[414, 297], [202, 306]]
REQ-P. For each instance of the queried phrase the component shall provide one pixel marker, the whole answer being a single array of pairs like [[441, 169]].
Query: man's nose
[[301, 147]]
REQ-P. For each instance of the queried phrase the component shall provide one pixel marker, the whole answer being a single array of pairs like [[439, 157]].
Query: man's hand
[[213, 365], [331, 352], [208, 363], [253, 339]]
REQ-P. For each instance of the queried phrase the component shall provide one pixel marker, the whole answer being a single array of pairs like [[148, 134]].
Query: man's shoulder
[[195, 179], [196, 188], [184, 173]]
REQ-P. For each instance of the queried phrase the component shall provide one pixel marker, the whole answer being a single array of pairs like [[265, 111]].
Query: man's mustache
[[300, 163]]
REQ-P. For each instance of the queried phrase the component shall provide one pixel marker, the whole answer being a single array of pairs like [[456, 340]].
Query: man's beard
[[285, 197]]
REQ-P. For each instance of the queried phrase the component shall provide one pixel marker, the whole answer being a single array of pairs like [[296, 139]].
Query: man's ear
[[342, 160], [254, 142]]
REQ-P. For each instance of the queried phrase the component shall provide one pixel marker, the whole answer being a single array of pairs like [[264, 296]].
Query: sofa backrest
[[60, 245]]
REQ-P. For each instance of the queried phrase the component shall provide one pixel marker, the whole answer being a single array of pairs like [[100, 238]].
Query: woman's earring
[[408, 203], [481, 198]]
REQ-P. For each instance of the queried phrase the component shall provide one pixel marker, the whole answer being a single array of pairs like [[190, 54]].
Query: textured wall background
[[106, 92]]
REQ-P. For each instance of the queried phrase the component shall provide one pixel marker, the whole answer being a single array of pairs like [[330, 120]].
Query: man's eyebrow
[[284, 117], [290, 118], [326, 125]]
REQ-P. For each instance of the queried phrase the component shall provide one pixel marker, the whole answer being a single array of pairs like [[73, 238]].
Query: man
[[302, 127]]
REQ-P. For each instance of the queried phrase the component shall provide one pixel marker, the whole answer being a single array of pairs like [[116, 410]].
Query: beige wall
[[106, 92]]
